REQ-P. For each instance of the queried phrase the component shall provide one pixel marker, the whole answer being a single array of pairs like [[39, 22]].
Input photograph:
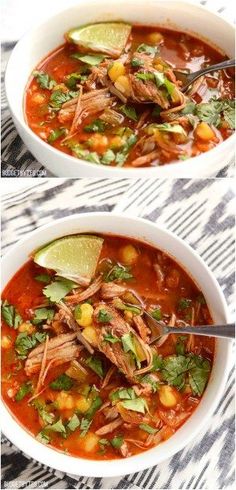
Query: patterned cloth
[[17, 161], [201, 213]]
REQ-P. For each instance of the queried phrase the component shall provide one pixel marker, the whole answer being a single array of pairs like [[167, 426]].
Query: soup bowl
[[41, 40], [109, 223]]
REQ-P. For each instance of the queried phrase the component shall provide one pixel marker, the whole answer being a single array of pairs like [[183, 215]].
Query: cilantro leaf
[[145, 48], [95, 405], [156, 362], [174, 369], [58, 98], [117, 442], [58, 289], [136, 405], [199, 374], [136, 62], [147, 378], [73, 423], [58, 426], [73, 79], [129, 346], [89, 59], [180, 345], [10, 315], [41, 314], [167, 127], [104, 316], [184, 303], [43, 278], [129, 112], [46, 417], [43, 437], [96, 365], [118, 272], [123, 394], [62, 382], [97, 126], [44, 80], [147, 428], [157, 314], [108, 157], [24, 390], [55, 134], [84, 426], [111, 338], [25, 342]]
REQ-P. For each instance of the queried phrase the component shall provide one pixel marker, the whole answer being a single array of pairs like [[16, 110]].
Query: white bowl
[[193, 264], [36, 44]]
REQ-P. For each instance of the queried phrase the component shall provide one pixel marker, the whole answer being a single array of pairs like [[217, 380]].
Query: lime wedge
[[108, 38], [74, 257]]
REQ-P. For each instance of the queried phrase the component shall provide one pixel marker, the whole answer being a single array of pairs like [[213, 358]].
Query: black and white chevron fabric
[[17, 161], [201, 212]]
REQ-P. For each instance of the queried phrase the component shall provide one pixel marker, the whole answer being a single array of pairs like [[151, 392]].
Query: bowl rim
[[181, 166], [112, 468]]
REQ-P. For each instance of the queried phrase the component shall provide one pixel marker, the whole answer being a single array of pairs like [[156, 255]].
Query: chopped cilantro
[[55, 134], [104, 316], [41, 314], [117, 442], [118, 272], [96, 365], [24, 390], [44, 80], [111, 338], [26, 342], [89, 59], [62, 382], [84, 426], [136, 405], [97, 126], [184, 303], [129, 112], [145, 48], [157, 314], [43, 278], [147, 428], [10, 315], [58, 289]]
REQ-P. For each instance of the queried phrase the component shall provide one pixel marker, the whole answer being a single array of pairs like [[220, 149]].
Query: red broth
[[167, 289], [107, 144]]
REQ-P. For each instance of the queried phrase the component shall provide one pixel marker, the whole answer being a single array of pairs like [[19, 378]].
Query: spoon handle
[[219, 66], [225, 331]]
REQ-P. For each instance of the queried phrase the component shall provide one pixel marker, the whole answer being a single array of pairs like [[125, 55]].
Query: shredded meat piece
[[111, 290], [172, 418], [111, 413], [129, 416], [86, 105], [143, 330], [108, 376], [124, 450], [87, 293], [60, 349], [66, 315], [160, 275], [109, 427], [143, 160], [147, 91], [114, 352]]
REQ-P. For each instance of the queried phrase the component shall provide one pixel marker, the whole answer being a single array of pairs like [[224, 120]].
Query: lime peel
[[108, 37], [74, 257]]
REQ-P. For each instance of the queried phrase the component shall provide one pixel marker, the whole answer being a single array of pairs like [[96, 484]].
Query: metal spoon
[[188, 78], [159, 329]]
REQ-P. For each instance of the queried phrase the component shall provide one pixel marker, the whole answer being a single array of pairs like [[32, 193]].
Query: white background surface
[[20, 15]]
